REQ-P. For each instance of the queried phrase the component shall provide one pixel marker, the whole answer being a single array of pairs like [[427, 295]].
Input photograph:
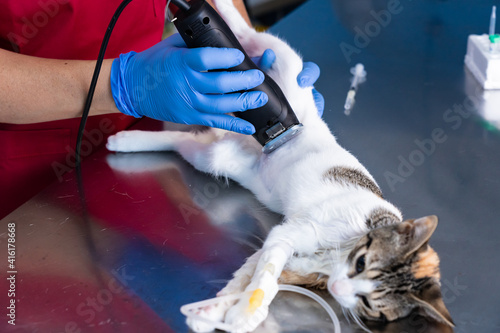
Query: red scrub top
[[35, 155]]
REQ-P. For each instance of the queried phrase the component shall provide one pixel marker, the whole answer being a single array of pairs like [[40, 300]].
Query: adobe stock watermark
[[11, 273], [364, 36], [450, 292], [150, 82], [94, 304], [91, 140], [32, 25], [202, 198], [425, 148]]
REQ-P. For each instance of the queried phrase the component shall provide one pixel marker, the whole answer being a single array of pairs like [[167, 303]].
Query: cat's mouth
[[347, 291], [341, 288], [343, 294]]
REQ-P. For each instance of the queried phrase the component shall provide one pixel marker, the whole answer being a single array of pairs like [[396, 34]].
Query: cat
[[338, 231]]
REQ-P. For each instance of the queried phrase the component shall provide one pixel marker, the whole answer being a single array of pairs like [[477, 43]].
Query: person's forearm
[[36, 89]]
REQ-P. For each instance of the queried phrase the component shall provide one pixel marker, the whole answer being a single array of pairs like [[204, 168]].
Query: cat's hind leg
[[233, 18], [228, 154], [135, 141]]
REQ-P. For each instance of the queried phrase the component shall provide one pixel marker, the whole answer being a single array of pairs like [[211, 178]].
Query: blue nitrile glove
[[266, 60], [169, 82], [306, 78]]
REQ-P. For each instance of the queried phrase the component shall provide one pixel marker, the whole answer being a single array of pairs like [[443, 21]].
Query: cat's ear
[[430, 303], [417, 232]]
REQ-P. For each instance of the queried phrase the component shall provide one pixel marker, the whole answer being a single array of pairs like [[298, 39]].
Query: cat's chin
[[340, 287]]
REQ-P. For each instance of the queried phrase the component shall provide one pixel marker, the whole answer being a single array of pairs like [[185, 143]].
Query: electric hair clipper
[[201, 26]]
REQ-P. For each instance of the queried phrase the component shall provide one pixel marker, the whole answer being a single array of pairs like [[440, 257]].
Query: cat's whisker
[[346, 315], [249, 239], [258, 238], [359, 322], [218, 281], [247, 244]]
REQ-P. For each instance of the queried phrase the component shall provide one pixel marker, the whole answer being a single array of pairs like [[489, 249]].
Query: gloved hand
[[306, 78], [169, 82]]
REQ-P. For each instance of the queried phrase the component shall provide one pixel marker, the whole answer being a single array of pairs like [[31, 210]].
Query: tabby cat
[[338, 231]]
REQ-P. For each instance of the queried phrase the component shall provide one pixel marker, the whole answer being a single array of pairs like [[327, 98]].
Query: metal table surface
[[155, 234]]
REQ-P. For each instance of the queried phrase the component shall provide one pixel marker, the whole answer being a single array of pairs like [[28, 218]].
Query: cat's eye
[[360, 264]]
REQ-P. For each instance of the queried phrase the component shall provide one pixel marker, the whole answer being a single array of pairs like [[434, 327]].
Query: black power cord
[[93, 83], [183, 5], [86, 221]]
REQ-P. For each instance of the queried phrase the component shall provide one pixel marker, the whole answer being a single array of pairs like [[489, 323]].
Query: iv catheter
[[359, 77]]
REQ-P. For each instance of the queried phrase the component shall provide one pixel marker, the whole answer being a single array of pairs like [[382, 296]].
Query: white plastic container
[[483, 62]]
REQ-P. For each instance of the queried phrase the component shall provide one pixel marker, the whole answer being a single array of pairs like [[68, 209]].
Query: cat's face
[[391, 271]]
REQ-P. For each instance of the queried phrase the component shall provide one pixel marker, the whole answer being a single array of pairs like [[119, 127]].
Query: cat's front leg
[[252, 309], [216, 313]]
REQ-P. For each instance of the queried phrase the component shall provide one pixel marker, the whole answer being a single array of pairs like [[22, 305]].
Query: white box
[[485, 65]]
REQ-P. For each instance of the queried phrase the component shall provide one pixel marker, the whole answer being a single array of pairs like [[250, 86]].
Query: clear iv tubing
[[188, 309], [322, 302]]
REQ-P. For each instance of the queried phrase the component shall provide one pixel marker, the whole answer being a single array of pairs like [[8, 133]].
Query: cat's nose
[[342, 288]]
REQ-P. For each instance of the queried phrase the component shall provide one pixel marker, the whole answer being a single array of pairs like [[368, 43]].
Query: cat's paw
[[127, 141], [214, 313], [243, 319], [253, 308]]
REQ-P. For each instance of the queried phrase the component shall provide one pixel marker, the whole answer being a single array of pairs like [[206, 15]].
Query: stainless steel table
[[154, 233]]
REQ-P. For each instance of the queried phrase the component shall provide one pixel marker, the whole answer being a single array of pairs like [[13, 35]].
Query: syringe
[[493, 38], [359, 77], [493, 20]]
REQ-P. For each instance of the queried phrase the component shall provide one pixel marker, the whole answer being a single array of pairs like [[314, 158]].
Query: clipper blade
[[281, 139]]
